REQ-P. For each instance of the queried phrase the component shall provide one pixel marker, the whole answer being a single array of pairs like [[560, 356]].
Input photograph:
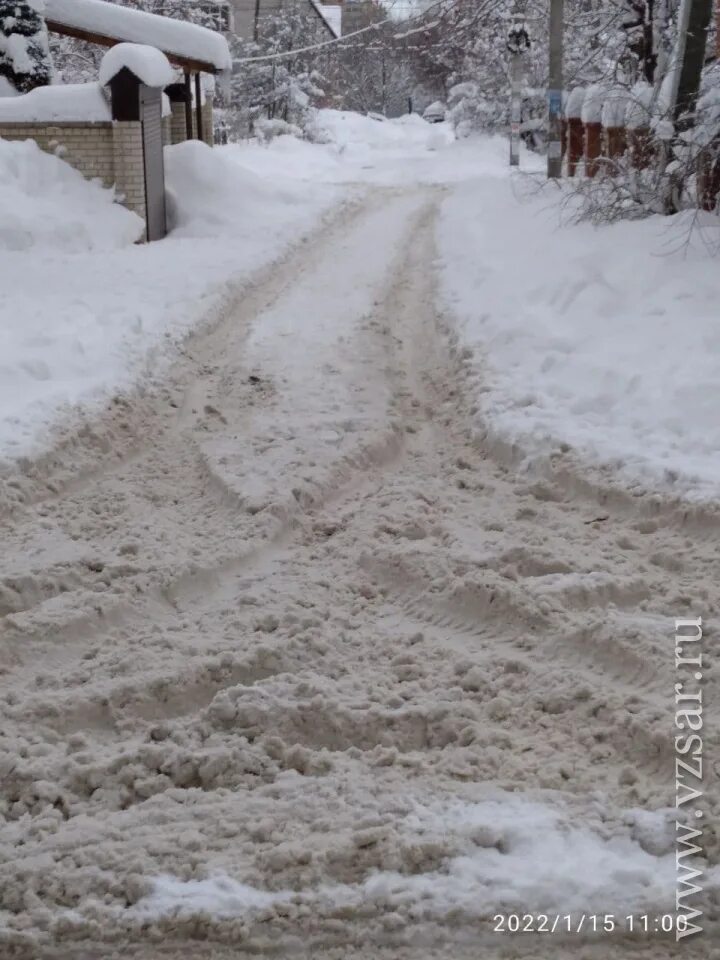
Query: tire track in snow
[[391, 617]]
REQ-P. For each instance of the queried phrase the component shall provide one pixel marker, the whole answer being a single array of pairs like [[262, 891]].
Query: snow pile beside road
[[603, 339], [354, 131], [210, 195], [86, 312], [350, 147], [45, 203]]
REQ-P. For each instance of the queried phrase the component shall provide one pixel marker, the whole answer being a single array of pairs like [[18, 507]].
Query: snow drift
[[605, 339], [85, 311], [46, 203], [208, 194]]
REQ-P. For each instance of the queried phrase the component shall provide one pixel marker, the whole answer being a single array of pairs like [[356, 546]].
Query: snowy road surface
[[295, 663]]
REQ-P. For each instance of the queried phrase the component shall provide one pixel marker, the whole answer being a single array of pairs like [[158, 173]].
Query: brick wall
[[86, 146], [111, 152], [178, 130], [129, 167]]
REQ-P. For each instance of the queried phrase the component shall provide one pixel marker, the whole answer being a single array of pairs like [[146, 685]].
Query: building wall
[[361, 13]]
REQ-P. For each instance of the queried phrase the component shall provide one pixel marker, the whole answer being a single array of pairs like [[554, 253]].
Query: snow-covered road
[[295, 662]]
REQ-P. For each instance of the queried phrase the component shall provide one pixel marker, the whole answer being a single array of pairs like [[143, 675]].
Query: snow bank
[[136, 26], [149, 64], [84, 311], [604, 339], [210, 195], [346, 129], [350, 147], [80, 102], [46, 203]]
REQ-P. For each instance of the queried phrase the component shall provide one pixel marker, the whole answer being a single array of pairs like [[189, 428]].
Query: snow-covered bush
[[467, 109], [24, 50], [266, 129]]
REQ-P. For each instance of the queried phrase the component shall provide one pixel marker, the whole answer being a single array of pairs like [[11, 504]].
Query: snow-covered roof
[[149, 64], [331, 13], [184, 43], [80, 102]]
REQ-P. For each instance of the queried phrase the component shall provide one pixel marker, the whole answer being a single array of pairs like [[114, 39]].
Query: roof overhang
[[177, 60], [186, 45]]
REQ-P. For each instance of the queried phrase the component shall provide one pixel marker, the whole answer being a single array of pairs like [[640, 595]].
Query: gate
[[151, 118]]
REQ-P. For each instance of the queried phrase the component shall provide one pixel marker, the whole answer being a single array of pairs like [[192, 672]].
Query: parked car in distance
[[435, 113]]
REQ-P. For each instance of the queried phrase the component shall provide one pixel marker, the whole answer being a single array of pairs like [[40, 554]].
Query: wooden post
[[188, 107], [593, 148], [198, 107], [575, 144]]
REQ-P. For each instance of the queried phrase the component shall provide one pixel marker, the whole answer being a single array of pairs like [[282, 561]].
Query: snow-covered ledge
[[72, 121]]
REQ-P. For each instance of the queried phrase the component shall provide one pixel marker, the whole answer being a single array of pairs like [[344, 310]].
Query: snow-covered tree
[[283, 89], [24, 51]]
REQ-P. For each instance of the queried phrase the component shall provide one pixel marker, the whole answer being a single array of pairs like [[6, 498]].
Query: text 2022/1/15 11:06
[[587, 923]]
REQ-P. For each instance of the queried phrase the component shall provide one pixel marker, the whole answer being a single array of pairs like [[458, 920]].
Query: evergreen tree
[[24, 51]]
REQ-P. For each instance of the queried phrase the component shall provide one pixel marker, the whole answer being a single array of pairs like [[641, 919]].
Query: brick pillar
[[207, 123], [128, 163], [615, 142], [708, 177], [178, 124], [593, 141], [576, 134]]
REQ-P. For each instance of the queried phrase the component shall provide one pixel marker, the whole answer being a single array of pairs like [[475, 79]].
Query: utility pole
[[693, 23], [555, 90], [518, 42]]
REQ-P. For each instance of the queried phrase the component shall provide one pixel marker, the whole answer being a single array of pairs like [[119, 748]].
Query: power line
[[448, 4]]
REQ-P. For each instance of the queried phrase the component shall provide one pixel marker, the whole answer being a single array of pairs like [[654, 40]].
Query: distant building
[[361, 13]]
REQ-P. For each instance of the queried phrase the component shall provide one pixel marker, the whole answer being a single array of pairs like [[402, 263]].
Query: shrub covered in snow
[[24, 50]]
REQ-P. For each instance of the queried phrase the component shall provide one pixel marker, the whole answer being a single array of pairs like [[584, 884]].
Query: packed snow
[[149, 64], [506, 854]]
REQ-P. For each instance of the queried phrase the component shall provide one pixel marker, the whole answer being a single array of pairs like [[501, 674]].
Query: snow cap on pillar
[[148, 64]]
